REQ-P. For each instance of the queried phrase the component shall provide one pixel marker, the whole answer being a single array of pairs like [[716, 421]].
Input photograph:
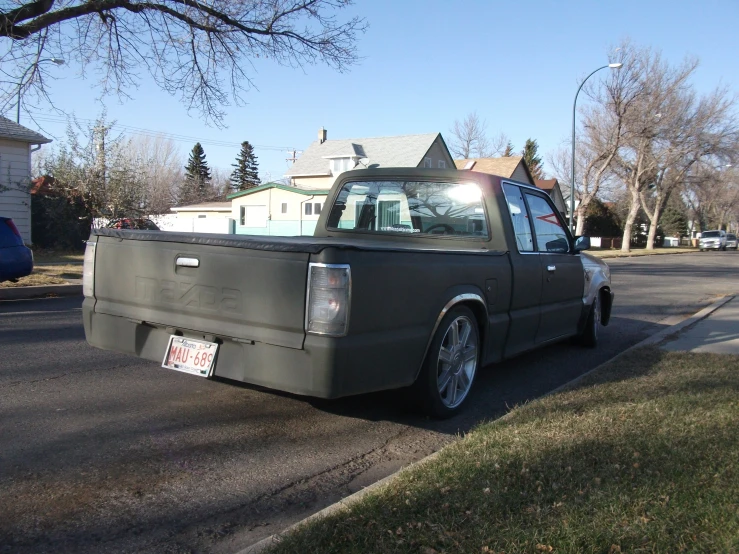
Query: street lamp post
[[57, 61], [574, 114]]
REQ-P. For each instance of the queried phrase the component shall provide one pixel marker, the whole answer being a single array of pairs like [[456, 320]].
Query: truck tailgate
[[239, 293]]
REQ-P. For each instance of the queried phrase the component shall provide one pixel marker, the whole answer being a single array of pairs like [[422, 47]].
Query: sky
[[424, 65]]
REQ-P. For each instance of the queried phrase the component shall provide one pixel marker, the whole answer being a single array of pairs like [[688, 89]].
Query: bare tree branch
[[199, 50]]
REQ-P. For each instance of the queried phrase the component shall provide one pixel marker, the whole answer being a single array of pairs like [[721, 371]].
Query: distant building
[[551, 186], [324, 159], [510, 167], [16, 145]]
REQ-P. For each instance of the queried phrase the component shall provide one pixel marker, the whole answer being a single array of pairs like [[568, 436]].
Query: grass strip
[[47, 275], [639, 252], [641, 456]]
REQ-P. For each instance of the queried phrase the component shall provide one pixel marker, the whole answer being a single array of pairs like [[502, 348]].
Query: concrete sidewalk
[[718, 333]]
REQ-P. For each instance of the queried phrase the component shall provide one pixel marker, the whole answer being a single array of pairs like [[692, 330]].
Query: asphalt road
[[105, 452]]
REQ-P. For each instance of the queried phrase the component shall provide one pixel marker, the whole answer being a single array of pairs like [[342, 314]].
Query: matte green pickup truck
[[414, 278]]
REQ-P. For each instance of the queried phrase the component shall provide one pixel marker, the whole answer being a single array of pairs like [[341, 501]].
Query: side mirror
[[582, 243]]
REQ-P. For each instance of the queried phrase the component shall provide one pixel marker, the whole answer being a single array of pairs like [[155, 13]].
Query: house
[[16, 145], [510, 167], [324, 159], [551, 186], [277, 209], [204, 217], [293, 209]]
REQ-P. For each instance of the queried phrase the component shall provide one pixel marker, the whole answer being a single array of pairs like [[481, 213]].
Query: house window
[[308, 208], [442, 164], [339, 165], [284, 208], [253, 216], [201, 216], [427, 162], [317, 208]]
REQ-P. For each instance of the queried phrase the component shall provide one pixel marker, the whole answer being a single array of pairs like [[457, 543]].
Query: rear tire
[[589, 336], [451, 365]]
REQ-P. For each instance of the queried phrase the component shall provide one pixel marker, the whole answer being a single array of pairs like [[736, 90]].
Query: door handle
[[551, 268], [188, 262]]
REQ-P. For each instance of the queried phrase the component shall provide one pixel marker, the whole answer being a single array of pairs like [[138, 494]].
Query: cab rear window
[[452, 209]]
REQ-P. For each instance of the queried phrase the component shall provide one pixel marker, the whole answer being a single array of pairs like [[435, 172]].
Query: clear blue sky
[[427, 63]]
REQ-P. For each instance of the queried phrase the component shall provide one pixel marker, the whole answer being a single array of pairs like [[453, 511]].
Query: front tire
[[589, 336], [451, 365]]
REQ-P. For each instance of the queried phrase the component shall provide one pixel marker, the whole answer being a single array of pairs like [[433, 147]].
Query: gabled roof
[[297, 190], [546, 184], [204, 207], [10, 130], [502, 167], [400, 151]]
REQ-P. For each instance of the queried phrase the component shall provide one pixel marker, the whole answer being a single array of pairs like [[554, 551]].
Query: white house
[[16, 145], [290, 210], [277, 209]]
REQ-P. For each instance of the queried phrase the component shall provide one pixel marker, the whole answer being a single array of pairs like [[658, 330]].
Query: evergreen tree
[[508, 150], [246, 174], [533, 161], [197, 177]]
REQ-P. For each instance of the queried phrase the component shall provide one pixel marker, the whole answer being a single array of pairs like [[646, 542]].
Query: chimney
[[321, 135]]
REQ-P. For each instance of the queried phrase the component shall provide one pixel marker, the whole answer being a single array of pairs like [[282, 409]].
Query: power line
[[154, 134]]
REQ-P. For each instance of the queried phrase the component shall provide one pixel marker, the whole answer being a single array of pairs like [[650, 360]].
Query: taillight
[[329, 296], [9, 223], [88, 270]]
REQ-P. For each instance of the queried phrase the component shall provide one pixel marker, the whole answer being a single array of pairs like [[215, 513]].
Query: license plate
[[190, 356]]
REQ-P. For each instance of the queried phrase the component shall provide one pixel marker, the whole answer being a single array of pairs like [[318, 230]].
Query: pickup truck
[[414, 278]]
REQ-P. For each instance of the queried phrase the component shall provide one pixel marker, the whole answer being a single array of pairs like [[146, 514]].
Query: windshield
[[710, 234], [410, 207]]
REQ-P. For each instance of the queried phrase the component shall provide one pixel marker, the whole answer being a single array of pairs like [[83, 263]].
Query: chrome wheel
[[457, 362]]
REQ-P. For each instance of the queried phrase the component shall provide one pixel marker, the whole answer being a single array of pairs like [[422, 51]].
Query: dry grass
[[640, 252], [34, 279], [640, 457], [48, 275]]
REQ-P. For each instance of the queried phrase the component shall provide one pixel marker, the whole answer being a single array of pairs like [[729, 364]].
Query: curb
[[22, 293], [635, 255], [347, 502]]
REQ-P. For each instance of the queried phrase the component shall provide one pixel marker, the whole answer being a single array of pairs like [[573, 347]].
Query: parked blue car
[[16, 259]]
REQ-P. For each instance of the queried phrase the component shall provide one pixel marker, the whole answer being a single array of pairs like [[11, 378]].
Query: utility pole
[[293, 158]]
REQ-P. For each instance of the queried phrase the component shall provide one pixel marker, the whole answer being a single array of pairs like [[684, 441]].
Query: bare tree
[[603, 128], [692, 130], [470, 139], [161, 163], [644, 152], [712, 193], [199, 50]]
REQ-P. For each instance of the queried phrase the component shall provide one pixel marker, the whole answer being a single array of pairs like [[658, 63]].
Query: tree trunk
[[653, 224], [580, 211], [633, 212]]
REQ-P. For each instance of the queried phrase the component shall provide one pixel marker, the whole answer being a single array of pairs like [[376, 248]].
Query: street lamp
[[574, 113], [57, 61]]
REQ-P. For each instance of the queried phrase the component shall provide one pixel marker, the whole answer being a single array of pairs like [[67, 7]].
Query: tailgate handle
[[188, 262], [551, 268]]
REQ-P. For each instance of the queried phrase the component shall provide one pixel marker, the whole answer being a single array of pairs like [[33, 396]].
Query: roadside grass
[[47, 275], [640, 456], [640, 252]]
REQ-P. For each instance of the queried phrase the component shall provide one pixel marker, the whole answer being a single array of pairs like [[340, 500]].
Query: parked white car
[[712, 240], [731, 242]]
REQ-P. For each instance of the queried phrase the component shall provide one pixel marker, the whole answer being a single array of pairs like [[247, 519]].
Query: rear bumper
[[15, 262], [324, 368]]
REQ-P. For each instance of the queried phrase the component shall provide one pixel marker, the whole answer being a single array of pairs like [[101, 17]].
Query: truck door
[[527, 276], [562, 272]]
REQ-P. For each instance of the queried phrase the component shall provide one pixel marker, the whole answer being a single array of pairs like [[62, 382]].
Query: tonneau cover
[[303, 244]]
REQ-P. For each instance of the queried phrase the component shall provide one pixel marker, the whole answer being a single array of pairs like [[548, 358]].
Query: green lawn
[[642, 456]]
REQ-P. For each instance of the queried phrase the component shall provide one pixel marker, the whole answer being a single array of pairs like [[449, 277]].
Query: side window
[[284, 208], [550, 235], [519, 217], [309, 209]]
